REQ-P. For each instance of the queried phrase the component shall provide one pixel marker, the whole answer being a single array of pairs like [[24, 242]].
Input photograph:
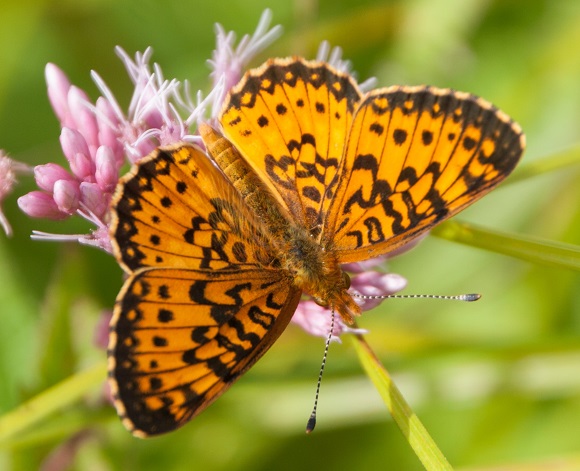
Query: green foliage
[[495, 382]]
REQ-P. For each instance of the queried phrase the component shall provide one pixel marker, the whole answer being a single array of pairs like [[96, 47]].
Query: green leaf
[[530, 249], [49, 401], [409, 424], [553, 162]]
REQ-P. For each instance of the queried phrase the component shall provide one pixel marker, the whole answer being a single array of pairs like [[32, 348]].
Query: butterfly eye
[[320, 302], [346, 279]]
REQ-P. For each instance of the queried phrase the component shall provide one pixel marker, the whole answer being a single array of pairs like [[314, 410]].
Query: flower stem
[[58, 396], [530, 249], [409, 424], [557, 161]]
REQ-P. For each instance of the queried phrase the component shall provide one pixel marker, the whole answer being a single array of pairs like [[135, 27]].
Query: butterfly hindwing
[[181, 337], [289, 119], [414, 157]]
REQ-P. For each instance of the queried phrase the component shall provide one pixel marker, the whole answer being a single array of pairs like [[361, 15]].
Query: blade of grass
[[557, 161], [409, 424], [530, 249], [52, 399], [59, 428]]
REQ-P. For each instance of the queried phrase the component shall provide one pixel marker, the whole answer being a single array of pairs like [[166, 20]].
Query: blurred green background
[[495, 382]]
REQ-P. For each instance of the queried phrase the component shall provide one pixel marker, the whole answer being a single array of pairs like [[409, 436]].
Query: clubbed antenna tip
[[311, 422]]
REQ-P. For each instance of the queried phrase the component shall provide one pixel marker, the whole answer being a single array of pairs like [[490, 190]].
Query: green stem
[[58, 396], [557, 161], [530, 249], [409, 424]]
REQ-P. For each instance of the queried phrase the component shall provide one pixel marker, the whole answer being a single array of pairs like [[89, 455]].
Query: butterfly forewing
[[175, 209], [181, 337], [414, 157], [289, 119]]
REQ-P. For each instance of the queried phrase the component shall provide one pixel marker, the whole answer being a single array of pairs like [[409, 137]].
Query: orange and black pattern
[[182, 337], [309, 174], [289, 118], [414, 157]]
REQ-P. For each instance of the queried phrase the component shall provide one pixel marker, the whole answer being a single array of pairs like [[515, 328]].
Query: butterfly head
[[322, 278]]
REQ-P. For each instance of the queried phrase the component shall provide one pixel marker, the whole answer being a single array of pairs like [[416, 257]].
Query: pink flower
[[86, 188], [371, 287], [317, 320], [8, 170], [98, 138], [151, 119], [228, 62], [38, 204], [101, 333]]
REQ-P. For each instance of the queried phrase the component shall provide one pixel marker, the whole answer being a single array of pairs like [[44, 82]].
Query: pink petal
[[38, 204], [84, 118], [46, 175], [99, 238], [153, 118], [94, 199], [107, 173], [316, 320], [58, 86], [109, 124], [66, 195], [375, 284], [77, 153]]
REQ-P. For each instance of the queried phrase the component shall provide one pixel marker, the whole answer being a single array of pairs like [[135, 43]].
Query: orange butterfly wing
[[415, 156], [289, 119], [204, 299], [176, 209], [181, 337]]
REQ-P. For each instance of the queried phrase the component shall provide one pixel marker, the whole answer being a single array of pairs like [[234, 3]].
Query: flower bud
[[38, 204], [66, 195]]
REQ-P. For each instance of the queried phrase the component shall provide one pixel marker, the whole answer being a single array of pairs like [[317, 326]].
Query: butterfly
[[305, 173]]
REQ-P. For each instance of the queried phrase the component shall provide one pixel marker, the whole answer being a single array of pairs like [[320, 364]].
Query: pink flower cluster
[[8, 170], [94, 155], [98, 138]]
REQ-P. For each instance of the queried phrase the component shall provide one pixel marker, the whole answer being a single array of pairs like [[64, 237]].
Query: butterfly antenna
[[460, 297], [312, 420]]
